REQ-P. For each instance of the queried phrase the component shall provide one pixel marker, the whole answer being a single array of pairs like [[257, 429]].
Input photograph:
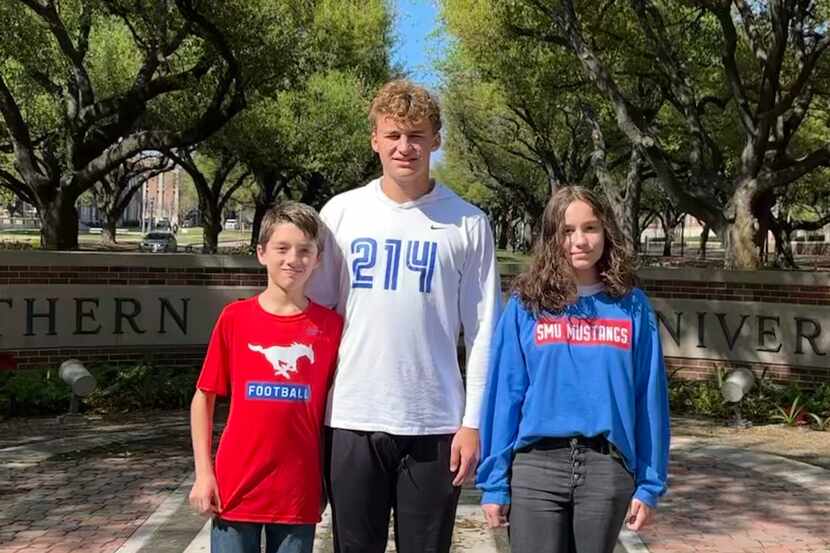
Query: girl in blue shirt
[[575, 421]]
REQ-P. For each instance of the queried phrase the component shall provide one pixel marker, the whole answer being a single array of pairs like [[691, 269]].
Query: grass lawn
[[127, 239]]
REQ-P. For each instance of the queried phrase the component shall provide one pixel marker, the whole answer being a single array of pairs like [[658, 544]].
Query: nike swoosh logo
[[438, 227]]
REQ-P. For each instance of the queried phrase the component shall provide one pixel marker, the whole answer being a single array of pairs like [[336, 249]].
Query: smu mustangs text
[[593, 332]]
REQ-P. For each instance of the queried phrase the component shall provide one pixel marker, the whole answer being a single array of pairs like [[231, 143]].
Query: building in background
[[155, 204], [159, 200]]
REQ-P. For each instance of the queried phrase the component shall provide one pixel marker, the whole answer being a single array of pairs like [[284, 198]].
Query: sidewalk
[[89, 486], [736, 501]]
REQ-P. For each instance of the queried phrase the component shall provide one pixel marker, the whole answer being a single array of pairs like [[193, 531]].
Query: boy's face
[[404, 150], [289, 256]]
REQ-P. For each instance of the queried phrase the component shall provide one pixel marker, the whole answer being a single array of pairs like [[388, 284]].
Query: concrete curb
[[161, 515]]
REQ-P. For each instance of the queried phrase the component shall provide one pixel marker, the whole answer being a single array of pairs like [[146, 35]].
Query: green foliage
[[762, 404], [143, 386], [15, 245], [119, 389], [664, 69], [697, 397], [819, 400], [36, 392], [822, 423], [791, 416]]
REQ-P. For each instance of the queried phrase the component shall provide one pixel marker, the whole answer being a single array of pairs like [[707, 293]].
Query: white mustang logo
[[284, 358]]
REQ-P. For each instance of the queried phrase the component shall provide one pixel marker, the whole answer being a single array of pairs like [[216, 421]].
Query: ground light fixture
[[79, 379], [737, 383]]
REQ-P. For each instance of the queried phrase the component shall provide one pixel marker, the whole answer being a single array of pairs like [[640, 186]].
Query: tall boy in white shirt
[[408, 263]]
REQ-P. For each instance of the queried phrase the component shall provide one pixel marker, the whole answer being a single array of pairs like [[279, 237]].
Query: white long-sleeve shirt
[[407, 277]]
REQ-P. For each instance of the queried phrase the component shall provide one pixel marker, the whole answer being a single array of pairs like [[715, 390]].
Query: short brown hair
[[405, 102], [303, 216], [548, 285]]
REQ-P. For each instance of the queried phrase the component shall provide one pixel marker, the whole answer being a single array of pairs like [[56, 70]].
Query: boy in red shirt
[[275, 355]]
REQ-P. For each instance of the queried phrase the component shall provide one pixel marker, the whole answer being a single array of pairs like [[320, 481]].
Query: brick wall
[[25, 268], [794, 290], [168, 356]]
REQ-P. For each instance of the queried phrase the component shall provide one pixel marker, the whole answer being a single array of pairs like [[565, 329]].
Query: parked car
[[231, 224], [158, 242], [162, 225]]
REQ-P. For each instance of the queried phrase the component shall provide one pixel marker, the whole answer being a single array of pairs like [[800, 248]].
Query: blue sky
[[415, 49]]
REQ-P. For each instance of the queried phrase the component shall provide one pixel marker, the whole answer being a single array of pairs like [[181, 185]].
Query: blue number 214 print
[[419, 258]]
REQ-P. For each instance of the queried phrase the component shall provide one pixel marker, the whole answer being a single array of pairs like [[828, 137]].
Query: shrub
[[760, 405], [16, 245], [36, 392], [818, 401], [143, 386], [821, 423], [794, 415]]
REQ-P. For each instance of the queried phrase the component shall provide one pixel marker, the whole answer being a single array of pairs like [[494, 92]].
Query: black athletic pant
[[568, 497], [370, 473]]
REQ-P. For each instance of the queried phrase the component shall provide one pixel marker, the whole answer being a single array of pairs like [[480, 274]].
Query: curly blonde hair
[[548, 285], [405, 103]]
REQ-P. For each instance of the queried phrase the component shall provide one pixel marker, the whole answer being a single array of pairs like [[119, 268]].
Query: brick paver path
[[731, 501], [58, 500], [92, 500]]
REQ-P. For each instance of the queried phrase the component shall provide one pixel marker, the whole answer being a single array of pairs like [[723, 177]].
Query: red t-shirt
[[277, 370]]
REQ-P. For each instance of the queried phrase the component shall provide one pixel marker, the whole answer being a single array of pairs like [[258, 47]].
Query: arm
[[213, 381], [479, 303], [480, 306], [204, 496], [507, 385], [652, 432]]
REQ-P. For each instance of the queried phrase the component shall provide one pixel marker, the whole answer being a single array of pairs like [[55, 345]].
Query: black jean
[[370, 473], [567, 498]]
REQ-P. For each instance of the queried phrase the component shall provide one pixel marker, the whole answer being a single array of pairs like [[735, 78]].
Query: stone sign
[[745, 331], [67, 316]]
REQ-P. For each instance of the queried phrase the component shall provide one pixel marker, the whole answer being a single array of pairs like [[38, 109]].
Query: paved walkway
[[86, 486], [735, 501]]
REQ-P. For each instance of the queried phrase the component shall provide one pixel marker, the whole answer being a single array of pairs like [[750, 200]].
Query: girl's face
[[584, 241]]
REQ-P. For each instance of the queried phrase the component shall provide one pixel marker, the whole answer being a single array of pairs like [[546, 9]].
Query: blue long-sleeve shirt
[[595, 369]]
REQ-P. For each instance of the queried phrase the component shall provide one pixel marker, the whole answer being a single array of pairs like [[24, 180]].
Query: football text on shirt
[[277, 392]]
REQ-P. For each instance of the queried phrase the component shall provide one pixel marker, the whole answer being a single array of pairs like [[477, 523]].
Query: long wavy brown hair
[[548, 285]]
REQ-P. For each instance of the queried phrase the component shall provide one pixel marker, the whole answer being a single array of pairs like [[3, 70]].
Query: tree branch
[[751, 28], [10, 182], [233, 188], [630, 124], [19, 133], [800, 167], [48, 13], [733, 76]]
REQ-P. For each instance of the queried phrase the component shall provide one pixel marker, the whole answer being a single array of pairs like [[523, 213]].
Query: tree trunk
[[668, 233], [314, 186], [268, 189], [211, 227], [59, 223], [259, 212], [704, 240], [740, 248], [784, 247], [108, 229], [762, 208], [503, 234]]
